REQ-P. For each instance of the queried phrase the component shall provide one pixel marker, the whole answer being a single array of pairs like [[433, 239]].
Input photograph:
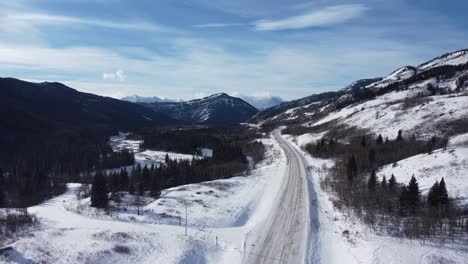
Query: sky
[[184, 49]]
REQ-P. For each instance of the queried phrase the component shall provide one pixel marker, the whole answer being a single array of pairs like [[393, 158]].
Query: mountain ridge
[[445, 73], [216, 109]]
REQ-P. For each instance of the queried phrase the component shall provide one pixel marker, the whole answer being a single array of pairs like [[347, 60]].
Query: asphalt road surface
[[284, 237]]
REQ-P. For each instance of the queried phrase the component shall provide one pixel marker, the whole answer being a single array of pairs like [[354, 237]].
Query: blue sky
[[190, 48]]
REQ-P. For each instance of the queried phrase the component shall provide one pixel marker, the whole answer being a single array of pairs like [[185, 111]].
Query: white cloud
[[118, 75], [218, 25], [327, 16], [39, 18], [201, 67]]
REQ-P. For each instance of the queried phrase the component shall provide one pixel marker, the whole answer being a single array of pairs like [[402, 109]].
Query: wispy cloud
[[118, 75], [327, 16], [39, 18], [218, 25]]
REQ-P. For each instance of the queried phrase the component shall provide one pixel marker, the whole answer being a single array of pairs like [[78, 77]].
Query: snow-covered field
[[220, 214]]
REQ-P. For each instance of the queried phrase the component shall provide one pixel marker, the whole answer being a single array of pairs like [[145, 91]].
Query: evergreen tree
[[141, 189], [131, 188], [372, 157], [352, 168], [2, 195], [384, 183], [409, 198], [363, 141], [99, 193], [392, 183], [156, 185], [379, 139], [372, 181], [443, 194], [400, 135], [166, 159], [413, 189], [146, 176], [123, 179], [433, 195]]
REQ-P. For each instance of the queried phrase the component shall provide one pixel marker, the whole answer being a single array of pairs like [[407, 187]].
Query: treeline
[[151, 180], [230, 145], [381, 202], [36, 167], [190, 140]]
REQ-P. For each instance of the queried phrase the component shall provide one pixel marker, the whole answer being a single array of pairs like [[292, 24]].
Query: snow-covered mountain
[[262, 102], [217, 109], [433, 80], [142, 99], [425, 101]]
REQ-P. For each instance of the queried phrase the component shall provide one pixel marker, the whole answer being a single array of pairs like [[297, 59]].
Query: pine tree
[[372, 157], [384, 183], [363, 141], [131, 188], [379, 139], [443, 194], [411, 195], [99, 193], [141, 189], [433, 195], [352, 168], [372, 181], [146, 176], [156, 185], [2, 195], [166, 159], [400, 135], [123, 179], [392, 183]]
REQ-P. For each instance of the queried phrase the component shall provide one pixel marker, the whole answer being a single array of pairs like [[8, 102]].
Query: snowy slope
[[362, 245], [215, 109], [439, 74], [452, 164], [454, 58], [400, 74], [387, 114], [220, 214]]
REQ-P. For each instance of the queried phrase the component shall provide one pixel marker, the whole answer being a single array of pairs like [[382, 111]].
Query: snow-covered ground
[[452, 164], [386, 114], [363, 246], [220, 214]]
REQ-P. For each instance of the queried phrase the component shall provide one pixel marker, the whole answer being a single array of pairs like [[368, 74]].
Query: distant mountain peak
[[142, 99], [216, 109], [262, 101]]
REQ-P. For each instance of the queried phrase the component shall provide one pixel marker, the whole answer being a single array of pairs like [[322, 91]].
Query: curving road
[[289, 233]]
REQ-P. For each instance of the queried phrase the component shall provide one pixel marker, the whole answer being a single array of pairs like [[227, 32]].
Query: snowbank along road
[[290, 231]]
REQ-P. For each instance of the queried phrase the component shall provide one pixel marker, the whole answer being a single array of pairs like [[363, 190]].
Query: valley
[[375, 172]]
